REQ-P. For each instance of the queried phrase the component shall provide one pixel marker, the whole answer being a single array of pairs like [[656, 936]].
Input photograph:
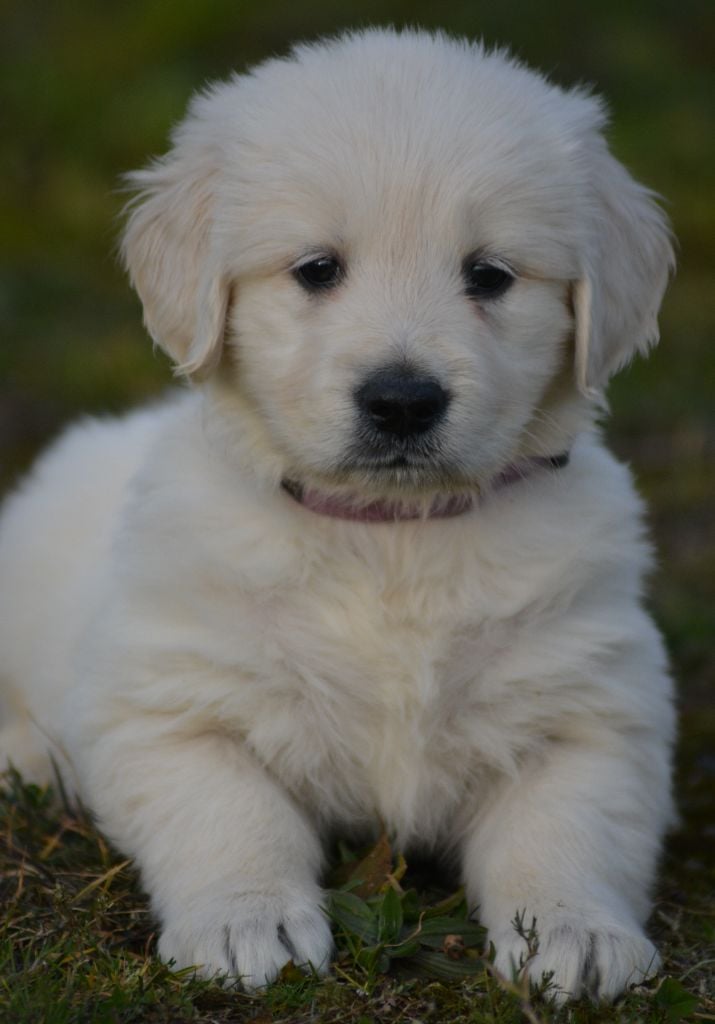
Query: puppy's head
[[408, 260]]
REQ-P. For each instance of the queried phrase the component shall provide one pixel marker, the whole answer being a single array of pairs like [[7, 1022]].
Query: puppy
[[375, 565]]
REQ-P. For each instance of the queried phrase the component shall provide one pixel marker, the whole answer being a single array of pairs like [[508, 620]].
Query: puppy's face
[[403, 249], [399, 337]]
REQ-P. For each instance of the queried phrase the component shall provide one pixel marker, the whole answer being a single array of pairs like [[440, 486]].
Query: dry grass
[[77, 944]]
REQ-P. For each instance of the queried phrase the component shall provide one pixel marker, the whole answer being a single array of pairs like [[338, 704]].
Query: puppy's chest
[[373, 711]]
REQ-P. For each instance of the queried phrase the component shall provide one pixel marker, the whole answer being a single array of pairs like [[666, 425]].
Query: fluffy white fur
[[227, 678]]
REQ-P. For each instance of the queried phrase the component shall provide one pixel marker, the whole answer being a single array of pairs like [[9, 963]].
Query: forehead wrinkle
[[425, 221], [454, 189]]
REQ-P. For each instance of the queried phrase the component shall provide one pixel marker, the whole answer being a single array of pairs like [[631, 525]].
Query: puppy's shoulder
[[591, 493], [563, 530]]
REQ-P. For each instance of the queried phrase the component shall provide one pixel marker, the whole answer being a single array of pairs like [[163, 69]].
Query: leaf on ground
[[433, 931], [675, 1000], [411, 905], [389, 916], [407, 947], [354, 916], [437, 965], [373, 958], [367, 875], [455, 905], [291, 974]]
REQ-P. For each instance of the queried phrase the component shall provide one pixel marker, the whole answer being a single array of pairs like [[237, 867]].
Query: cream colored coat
[[227, 678]]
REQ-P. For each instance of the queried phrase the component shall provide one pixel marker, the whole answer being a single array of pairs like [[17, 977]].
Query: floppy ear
[[167, 249], [625, 272]]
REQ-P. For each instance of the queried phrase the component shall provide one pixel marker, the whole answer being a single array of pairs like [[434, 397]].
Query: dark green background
[[89, 90]]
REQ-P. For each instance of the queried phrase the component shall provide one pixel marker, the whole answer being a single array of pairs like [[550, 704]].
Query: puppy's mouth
[[380, 510], [443, 503]]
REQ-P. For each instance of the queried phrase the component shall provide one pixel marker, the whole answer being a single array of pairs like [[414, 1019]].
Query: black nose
[[396, 402]]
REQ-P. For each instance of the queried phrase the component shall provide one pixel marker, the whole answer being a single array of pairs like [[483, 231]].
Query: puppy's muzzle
[[402, 404]]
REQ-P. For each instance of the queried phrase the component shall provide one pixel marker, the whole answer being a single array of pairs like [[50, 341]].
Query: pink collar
[[442, 507]]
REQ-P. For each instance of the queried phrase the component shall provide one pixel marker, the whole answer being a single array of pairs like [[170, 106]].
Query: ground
[[77, 942]]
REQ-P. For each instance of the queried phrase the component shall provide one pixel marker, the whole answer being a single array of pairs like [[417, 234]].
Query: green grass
[[77, 944]]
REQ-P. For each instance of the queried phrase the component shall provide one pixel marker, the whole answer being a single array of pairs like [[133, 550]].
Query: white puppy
[[376, 566]]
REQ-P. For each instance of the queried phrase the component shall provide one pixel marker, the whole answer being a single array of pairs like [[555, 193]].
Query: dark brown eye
[[485, 280], [319, 274]]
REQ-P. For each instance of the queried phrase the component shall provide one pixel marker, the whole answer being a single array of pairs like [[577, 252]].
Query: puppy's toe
[[599, 963], [257, 949], [249, 938], [617, 960]]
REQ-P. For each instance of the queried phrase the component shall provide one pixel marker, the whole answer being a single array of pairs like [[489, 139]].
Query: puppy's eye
[[485, 280], [319, 274]]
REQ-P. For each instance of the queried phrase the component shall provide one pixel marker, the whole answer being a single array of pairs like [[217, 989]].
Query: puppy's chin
[[395, 479], [370, 493], [360, 507]]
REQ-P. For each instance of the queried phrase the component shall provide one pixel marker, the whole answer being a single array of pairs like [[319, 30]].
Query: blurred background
[[90, 88]]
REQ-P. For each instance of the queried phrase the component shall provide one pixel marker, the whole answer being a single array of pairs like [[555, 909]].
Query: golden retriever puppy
[[375, 564]]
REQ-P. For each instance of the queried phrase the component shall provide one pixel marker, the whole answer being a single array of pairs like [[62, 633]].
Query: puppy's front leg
[[573, 844], [230, 861]]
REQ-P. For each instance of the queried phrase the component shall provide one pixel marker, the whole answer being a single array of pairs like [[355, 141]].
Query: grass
[[77, 944]]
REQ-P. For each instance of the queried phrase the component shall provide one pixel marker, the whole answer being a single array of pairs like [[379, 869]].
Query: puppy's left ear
[[628, 259], [168, 251]]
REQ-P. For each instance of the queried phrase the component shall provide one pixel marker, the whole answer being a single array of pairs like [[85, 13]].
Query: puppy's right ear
[[167, 249]]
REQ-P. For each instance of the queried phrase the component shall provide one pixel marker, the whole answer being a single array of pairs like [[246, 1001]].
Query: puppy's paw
[[249, 936], [597, 960]]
